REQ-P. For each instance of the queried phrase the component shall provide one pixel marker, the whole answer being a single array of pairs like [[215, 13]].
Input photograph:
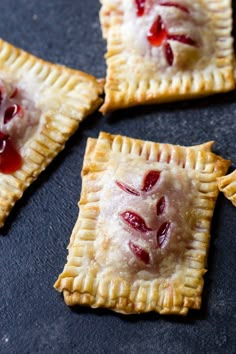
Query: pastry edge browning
[[83, 286], [227, 185], [116, 99], [121, 305], [56, 126]]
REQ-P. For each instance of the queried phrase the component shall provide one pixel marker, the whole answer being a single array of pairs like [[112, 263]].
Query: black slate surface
[[33, 316]]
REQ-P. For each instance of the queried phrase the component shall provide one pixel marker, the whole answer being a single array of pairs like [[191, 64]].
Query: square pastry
[[41, 106], [161, 50], [141, 239], [227, 185]]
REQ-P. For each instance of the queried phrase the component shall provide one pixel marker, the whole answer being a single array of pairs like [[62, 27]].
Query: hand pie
[[160, 50], [227, 185], [41, 106], [141, 239]]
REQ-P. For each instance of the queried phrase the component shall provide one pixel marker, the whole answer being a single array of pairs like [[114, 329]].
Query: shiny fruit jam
[[10, 109]]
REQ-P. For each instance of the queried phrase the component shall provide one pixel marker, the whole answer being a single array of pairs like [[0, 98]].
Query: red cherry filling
[[11, 112], [173, 4], [135, 221], [127, 188], [10, 159], [162, 233], [140, 4], [157, 32], [150, 180], [169, 55], [182, 38], [139, 252], [160, 207]]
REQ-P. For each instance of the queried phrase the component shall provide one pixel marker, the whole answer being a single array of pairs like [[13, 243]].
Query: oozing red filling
[[135, 221], [157, 32], [139, 252], [10, 158], [140, 4]]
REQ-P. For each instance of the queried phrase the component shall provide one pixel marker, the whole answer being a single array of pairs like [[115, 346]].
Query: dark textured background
[[33, 316]]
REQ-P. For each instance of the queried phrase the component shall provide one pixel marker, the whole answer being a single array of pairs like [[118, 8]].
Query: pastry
[[160, 51], [227, 185], [41, 106], [141, 239]]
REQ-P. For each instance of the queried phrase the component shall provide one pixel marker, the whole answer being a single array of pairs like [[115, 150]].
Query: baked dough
[[168, 50], [227, 185], [141, 239], [41, 106]]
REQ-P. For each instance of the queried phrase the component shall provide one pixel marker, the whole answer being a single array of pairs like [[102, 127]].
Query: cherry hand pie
[[41, 106], [141, 239], [161, 50], [227, 185]]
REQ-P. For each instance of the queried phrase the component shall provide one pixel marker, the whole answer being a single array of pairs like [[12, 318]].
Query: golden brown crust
[[134, 78], [227, 185], [66, 97], [98, 272]]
